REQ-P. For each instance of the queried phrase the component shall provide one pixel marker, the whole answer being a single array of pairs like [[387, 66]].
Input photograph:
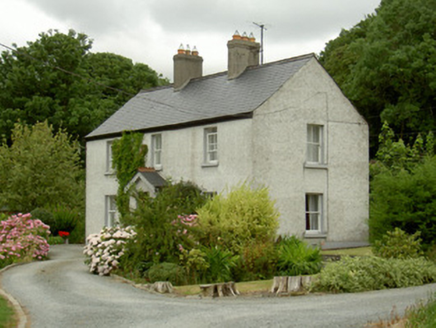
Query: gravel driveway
[[61, 293]]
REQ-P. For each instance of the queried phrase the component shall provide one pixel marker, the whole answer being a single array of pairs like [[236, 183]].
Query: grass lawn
[[358, 251], [248, 287], [7, 315]]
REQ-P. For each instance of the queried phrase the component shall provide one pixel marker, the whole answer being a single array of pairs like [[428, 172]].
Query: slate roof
[[210, 98], [154, 178]]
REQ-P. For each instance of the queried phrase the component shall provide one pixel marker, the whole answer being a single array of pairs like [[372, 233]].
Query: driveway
[[61, 293]]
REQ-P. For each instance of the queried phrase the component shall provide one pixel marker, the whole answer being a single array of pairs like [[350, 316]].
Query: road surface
[[62, 293]]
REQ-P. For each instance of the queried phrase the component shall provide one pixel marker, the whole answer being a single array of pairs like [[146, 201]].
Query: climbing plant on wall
[[128, 154]]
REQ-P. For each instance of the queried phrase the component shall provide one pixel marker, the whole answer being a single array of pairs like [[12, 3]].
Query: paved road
[[61, 293]]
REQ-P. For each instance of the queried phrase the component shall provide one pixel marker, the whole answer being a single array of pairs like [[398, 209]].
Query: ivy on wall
[[128, 154]]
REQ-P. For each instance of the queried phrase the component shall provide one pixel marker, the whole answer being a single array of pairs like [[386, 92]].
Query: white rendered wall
[[280, 127]]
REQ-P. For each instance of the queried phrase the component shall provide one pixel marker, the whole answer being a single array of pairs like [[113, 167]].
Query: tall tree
[[57, 78], [386, 65], [40, 168]]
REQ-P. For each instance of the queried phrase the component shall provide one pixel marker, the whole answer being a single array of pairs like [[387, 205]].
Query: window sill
[[209, 164], [110, 173], [158, 168], [317, 235], [318, 166]]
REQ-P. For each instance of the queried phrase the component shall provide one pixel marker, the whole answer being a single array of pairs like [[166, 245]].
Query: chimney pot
[[244, 36], [187, 50], [195, 51], [181, 50], [251, 37], [236, 35]]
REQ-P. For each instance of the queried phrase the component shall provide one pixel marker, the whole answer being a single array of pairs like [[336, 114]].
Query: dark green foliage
[[46, 217], [351, 275], [398, 244], [405, 200], [386, 66], [296, 258], [159, 234], [166, 272], [128, 154], [57, 78]]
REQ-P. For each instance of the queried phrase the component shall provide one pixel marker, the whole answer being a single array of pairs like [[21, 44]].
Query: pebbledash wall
[[269, 149]]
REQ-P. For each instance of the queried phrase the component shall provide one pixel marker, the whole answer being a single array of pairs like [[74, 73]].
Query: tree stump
[[162, 287], [291, 284], [219, 289]]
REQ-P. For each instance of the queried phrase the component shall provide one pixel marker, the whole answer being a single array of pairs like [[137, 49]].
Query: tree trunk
[[219, 289], [292, 284], [162, 287]]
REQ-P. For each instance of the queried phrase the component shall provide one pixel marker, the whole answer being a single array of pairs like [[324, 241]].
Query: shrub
[[166, 272], [194, 263], [398, 244], [158, 224], [55, 240], [257, 261], [295, 257], [405, 199], [352, 275], [23, 238], [234, 221], [220, 264], [46, 217], [105, 249]]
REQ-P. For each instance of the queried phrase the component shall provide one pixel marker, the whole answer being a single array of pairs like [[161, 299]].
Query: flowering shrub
[[22, 237], [105, 249]]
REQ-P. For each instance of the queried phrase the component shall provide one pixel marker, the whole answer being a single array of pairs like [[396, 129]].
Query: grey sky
[[150, 31]]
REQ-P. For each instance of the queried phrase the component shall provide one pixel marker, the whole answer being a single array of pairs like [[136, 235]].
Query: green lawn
[[358, 251], [7, 319]]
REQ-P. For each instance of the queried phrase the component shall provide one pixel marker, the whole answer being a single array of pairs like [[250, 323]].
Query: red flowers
[[63, 233]]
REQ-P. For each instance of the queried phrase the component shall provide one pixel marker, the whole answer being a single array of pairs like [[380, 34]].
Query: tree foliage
[[405, 200], [39, 169], [57, 78], [386, 65]]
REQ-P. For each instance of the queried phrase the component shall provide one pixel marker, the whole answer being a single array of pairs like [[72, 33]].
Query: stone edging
[[18, 309]]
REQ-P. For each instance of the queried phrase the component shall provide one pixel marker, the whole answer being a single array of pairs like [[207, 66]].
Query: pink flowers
[[23, 237]]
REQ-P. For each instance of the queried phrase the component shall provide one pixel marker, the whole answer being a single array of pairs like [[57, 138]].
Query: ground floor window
[[314, 214], [111, 218]]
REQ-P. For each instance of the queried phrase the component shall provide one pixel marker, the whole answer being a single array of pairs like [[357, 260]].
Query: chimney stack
[[187, 65], [242, 52]]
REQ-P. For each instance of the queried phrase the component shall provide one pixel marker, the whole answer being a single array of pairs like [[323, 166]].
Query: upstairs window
[[314, 215], [315, 144], [109, 168], [211, 146], [156, 151]]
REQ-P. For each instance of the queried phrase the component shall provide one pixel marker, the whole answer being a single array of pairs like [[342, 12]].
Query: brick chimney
[[187, 65], [243, 51]]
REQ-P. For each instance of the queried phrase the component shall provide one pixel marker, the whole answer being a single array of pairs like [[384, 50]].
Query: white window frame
[[111, 212], [211, 146], [314, 213], [315, 150], [109, 168], [156, 151]]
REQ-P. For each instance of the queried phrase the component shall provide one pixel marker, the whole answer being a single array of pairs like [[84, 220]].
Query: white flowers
[[105, 249]]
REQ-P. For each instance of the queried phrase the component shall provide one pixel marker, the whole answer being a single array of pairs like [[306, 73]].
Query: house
[[284, 124]]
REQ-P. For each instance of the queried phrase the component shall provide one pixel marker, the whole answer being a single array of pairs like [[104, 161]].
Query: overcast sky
[[150, 31]]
